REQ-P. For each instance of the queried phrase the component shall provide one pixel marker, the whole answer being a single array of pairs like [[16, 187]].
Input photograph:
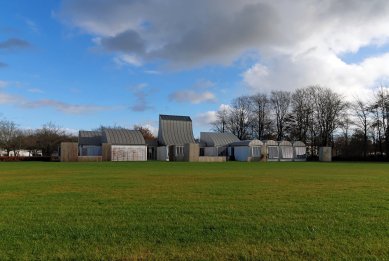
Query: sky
[[84, 63]]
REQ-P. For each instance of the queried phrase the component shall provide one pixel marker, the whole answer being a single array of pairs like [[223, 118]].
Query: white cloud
[[350, 80], [35, 90], [224, 107], [8, 98], [154, 72], [151, 127], [196, 93], [32, 25], [192, 96], [64, 107], [208, 117], [70, 131], [24, 102], [3, 84], [141, 91], [212, 31], [205, 118], [125, 59], [299, 42], [204, 84]]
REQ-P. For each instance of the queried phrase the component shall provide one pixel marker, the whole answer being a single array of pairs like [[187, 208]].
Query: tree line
[[316, 115], [43, 141]]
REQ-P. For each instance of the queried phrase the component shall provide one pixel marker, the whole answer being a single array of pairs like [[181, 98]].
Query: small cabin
[[125, 145], [247, 150], [299, 151], [272, 149], [216, 144], [89, 143], [286, 150]]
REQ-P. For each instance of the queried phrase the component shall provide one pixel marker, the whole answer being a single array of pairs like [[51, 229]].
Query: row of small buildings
[[175, 142]]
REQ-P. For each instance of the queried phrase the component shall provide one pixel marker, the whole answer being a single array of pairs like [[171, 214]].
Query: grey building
[[216, 144], [286, 150], [125, 145], [247, 150], [272, 149], [173, 133], [152, 146], [89, 143], [299, 151]]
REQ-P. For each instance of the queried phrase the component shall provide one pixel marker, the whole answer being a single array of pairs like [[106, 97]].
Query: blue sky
[[84, 63]]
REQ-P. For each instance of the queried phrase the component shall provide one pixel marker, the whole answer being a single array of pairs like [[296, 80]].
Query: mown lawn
[[194, 211]]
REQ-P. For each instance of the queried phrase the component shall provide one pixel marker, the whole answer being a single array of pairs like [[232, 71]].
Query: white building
[[286, 150], [126, 145], [299, 151], [247, 150], [273, 153]]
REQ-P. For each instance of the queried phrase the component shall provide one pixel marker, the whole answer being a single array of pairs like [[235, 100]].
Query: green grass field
[[194, 211]]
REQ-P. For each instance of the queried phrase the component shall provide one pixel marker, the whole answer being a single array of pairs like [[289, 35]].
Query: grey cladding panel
[[89, 138], [175, 130], [123, 137], [215, 139]]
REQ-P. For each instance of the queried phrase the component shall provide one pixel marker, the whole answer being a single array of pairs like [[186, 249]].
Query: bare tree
[[328, 109], [260, 111], [345, 125], [8, 134], [302, 114], [362, 112], [29, 141], [49, 137], [380, 110], [280, 101], [222, 117], [102, 127], [238, 121]]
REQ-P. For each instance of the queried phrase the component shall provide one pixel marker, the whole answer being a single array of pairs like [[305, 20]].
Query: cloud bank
[[24, 102], [298, 43], [14, 44]]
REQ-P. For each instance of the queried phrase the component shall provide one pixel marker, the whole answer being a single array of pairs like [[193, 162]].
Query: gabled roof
[[89, 138], [175, 130], [270, 143], [123, 137], [298, 144], [284, 143], [246, 143], [152, 143], [215, 139], [174, 117]]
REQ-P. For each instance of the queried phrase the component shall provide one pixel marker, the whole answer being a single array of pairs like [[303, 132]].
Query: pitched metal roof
[[175, 130], [298, 144], [215, 139], [152, 143], [247, 143], [123, 137], [270, 143], [174, 117], [284, 143], [89, 138]]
